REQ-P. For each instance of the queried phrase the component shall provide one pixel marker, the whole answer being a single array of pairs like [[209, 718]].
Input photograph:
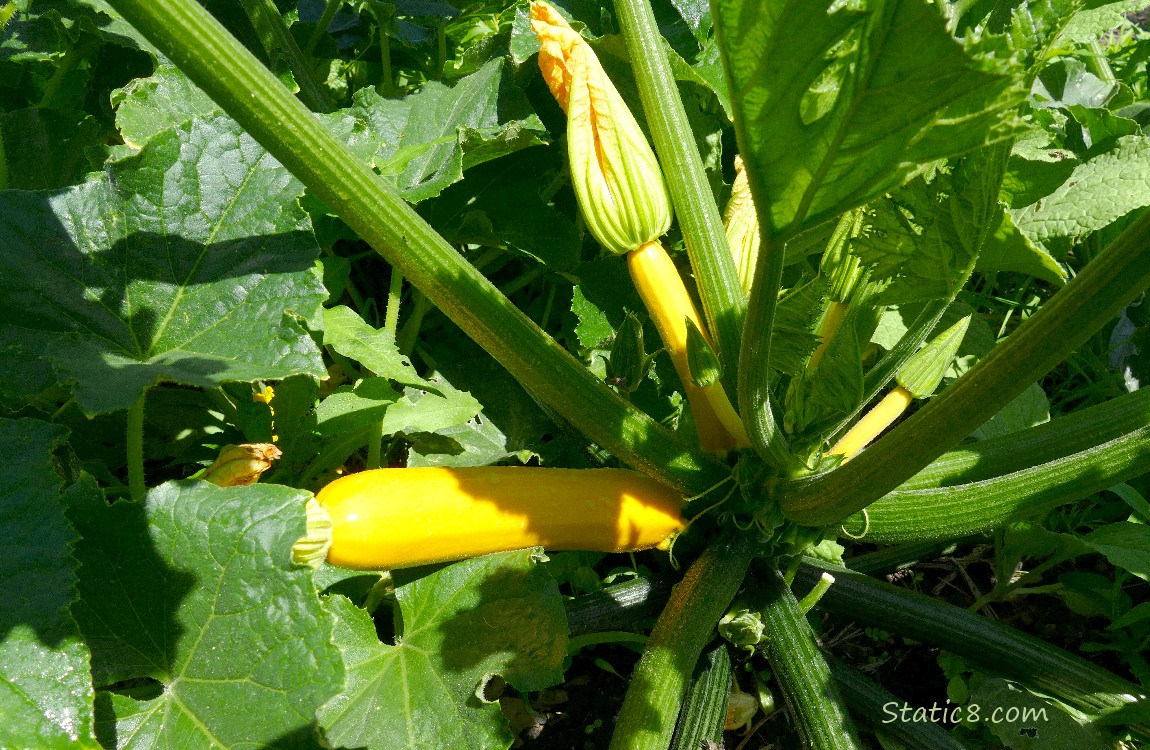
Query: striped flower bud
[[616, 176]]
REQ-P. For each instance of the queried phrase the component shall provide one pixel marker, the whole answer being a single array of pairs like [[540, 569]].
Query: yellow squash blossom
[[742, 227], [613, 169]]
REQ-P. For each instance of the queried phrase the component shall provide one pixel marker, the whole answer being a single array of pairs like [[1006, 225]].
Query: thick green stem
[[959, 508], [1107, 284], [870, 700], [755, 380], [137, 487], [724, 306], [659, 682], [810, 692], [274, 35], [705, 707], [988, 644], [243, 88]]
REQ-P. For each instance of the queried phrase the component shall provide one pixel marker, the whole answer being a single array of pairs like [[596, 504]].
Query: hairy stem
[[659, 682]]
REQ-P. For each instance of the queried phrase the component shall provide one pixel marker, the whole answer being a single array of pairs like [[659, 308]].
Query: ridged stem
[[659, 681], [802, 672], [763, 430], [986, 643], [274, 35]]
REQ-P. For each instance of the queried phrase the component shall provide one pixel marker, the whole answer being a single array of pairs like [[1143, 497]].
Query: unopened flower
[[742, 226], [615, 174]]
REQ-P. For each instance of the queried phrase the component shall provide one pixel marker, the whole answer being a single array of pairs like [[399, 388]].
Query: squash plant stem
[[137, 488], [659, 681]]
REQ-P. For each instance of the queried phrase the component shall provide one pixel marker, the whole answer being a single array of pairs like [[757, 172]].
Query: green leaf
[[794, 339], [1029, 408], [190, 261], [1089, 594], [629, 363], [345, 420], [702, 362], [1090, 24], [112, 27], [375, 349], [194, 587], [430, 411], [602, 296], [477, 442], [1136, 615], [1125, 545], [1007, 710], [923, 372], [496, 614], [423, 142], [45, 688], [36, 35], [1037, 174], [926, 237], [1009, 250], [351, 410], [1097, 193], [836, 107], [147, 106]]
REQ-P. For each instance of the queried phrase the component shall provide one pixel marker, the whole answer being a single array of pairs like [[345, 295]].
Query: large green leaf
[[496, 614], [500, 205], [45, 689], [191, 261], [1097, 193], [194, 587], [926, 236], [1024, 721], [834, 106], [167, 99], [423, 142]]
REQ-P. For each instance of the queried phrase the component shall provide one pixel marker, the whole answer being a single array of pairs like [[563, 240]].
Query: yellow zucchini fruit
[[395, 518], [831, 321], [662, 291], [873, 423]]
